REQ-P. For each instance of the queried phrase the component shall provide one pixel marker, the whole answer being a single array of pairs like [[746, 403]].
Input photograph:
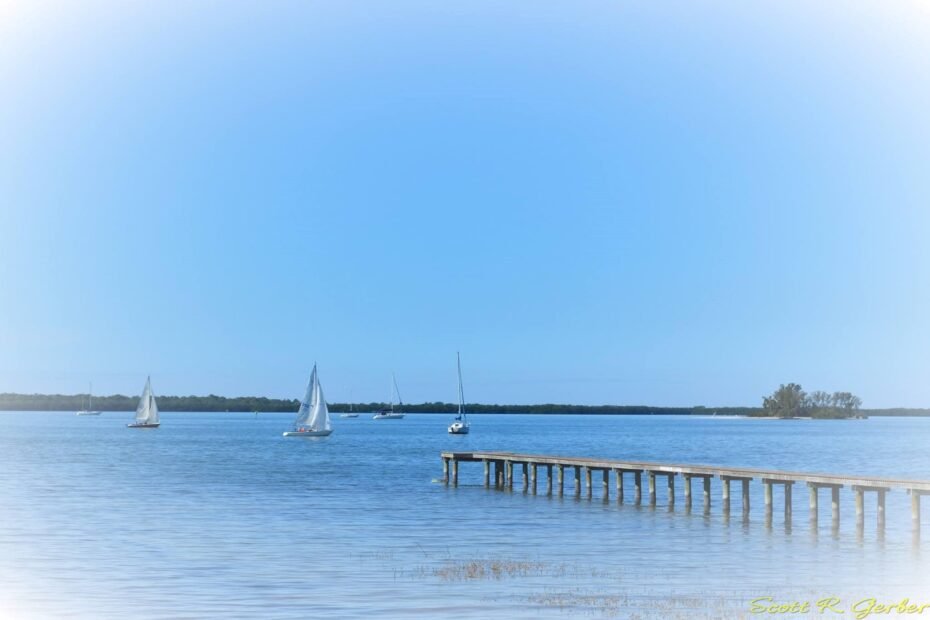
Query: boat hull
[[307, 433], [87, 413], [458, 429], [134, 425], [348, 415], [388, 416]]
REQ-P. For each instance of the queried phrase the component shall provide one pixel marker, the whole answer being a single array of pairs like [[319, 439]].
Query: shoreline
[[699, 415]]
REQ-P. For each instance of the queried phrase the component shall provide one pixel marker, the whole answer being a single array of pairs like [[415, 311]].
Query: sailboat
[[90, 402], [313, 416], [389, 414], [147, 409], [460, 425], [351, 413]]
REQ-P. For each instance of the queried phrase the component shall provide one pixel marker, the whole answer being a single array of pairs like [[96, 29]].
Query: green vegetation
[[791, 401], [118, 402], [786, 402], [818, 405]]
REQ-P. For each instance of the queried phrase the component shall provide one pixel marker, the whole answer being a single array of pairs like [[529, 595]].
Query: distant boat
[[390, 414], [90, 402], [460, 425], [313, 416], [147, 410], [351, 413]]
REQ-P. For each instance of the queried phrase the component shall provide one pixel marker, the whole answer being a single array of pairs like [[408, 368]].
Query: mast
[[458, 362], [396, 392], [90, 396]]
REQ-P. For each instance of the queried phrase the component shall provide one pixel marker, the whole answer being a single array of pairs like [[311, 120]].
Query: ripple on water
[[218, 516]]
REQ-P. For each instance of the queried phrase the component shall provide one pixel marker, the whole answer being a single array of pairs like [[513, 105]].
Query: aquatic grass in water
[[465, 570], [489, 569]]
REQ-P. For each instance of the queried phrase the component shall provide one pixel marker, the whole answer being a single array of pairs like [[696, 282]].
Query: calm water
[[218, 516]]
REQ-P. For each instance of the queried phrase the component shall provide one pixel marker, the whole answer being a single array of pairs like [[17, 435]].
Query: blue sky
[[595, 202]]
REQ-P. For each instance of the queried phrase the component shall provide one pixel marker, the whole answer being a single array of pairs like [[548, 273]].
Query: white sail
[[303, 413], [313, 413], [319, 412], [147, 410]]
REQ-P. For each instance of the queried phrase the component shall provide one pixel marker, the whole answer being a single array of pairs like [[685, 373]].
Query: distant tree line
[[118, 402], [897, 411], [788, 401], [791, 401]]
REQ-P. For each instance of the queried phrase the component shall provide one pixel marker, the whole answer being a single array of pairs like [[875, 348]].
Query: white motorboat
[[313, 416], [147, 409], [460, 425]]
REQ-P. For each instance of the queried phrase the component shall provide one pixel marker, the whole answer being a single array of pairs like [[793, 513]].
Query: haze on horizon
[[661, 204]]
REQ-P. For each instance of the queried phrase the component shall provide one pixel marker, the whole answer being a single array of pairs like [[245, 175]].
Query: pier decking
[[503, 464]]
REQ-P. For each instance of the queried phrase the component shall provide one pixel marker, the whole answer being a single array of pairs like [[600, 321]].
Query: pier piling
[[744, 480], [813, 509], [860, 511], [915, 508], [880, 507], [788, 484]]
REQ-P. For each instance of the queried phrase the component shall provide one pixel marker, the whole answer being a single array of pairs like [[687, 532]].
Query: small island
[[791, 401]]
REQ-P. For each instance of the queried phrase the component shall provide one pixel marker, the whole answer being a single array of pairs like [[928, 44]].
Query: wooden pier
[[504, 463]]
